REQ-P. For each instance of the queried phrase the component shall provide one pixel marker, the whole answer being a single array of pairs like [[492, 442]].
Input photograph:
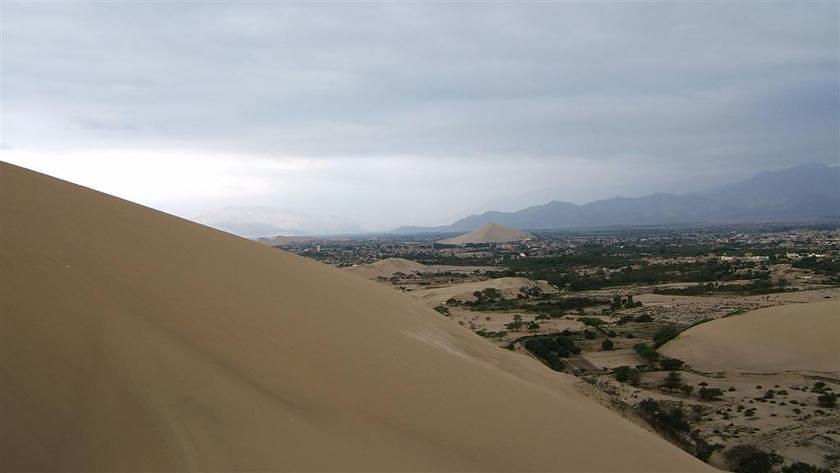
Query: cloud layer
[[419, 92]]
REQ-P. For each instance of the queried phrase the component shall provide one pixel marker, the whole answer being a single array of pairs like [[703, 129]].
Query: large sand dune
[[795, 337], [508, 287], [388, 267], [490, 233], [134, 340]]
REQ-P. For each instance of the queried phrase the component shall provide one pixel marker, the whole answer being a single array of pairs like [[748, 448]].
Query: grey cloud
[[745, 86]]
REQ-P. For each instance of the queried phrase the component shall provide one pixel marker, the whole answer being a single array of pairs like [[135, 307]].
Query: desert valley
[[419, 236], [714, 337]]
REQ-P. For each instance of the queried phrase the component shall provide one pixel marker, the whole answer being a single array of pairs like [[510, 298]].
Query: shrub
[[545, 349], [818, 387], [516, 324], [687, 389], [589, 335], [669, 420], [827, 400], [751, 459], [644, 318], [626, 374], [646, 352], [672, 382], [443, 310], [671, 364], [665, 334], [800, 467], [607, 344], [710, 394], [591, 321]]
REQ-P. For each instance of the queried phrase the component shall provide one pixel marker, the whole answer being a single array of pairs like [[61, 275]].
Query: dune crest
[[490, 233], [137, 341], [794, 337]]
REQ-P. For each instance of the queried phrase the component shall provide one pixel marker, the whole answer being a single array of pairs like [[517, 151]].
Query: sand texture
[[509, 288], [136, 341], [388, 267], [795, 337], [490, 233]]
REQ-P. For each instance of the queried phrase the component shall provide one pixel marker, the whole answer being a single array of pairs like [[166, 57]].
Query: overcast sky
[[413, 113]]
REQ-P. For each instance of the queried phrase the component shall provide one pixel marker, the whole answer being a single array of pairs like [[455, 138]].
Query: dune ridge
[[137, 341], [793, 337], [490, 233]]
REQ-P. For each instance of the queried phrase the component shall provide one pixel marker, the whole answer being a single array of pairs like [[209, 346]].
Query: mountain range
[[809, 192], [264, 221]]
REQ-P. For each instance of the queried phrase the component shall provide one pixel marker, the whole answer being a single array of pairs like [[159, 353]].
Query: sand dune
[[490, 233], [388, 267], [795, 337], [509, 288], [133, 340]]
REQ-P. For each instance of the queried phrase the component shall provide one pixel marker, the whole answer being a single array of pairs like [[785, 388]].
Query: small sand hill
[[133, 340], [388, 267], [509, 287], [795, 337], [490, 233]]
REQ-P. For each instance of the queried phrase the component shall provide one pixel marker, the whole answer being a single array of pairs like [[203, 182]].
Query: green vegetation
[[552, 306], [757, 286], [751, 459], [624, 268], [648, 353], [800, 467], [828, 266], [591, 321], [550, 349], [665, 334], [827, 400], [671, 364], [607, 344], [673, 381], [516, 324], [626, 374], [671, 420], [710, 394]]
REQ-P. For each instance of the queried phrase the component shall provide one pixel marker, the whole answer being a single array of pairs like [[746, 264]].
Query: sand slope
[[133, 340], [388, 267], [490, 233], [509, 288], [801, 337]]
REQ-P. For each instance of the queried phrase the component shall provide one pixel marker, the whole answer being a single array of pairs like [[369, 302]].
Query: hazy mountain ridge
[[806, 192], [265, 221]]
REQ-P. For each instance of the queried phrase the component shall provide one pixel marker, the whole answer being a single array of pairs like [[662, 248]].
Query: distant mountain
[[254, 222], [802, 193]]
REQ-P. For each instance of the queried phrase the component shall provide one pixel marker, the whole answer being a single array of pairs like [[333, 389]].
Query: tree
[[516, 324], [827, 400], [646, 352], [626, 374], [665, 334], [589, 335], [751, 459], [607, 344], [673, 381], [687, 389], [710, 394], [671, 364], [533, 326]]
